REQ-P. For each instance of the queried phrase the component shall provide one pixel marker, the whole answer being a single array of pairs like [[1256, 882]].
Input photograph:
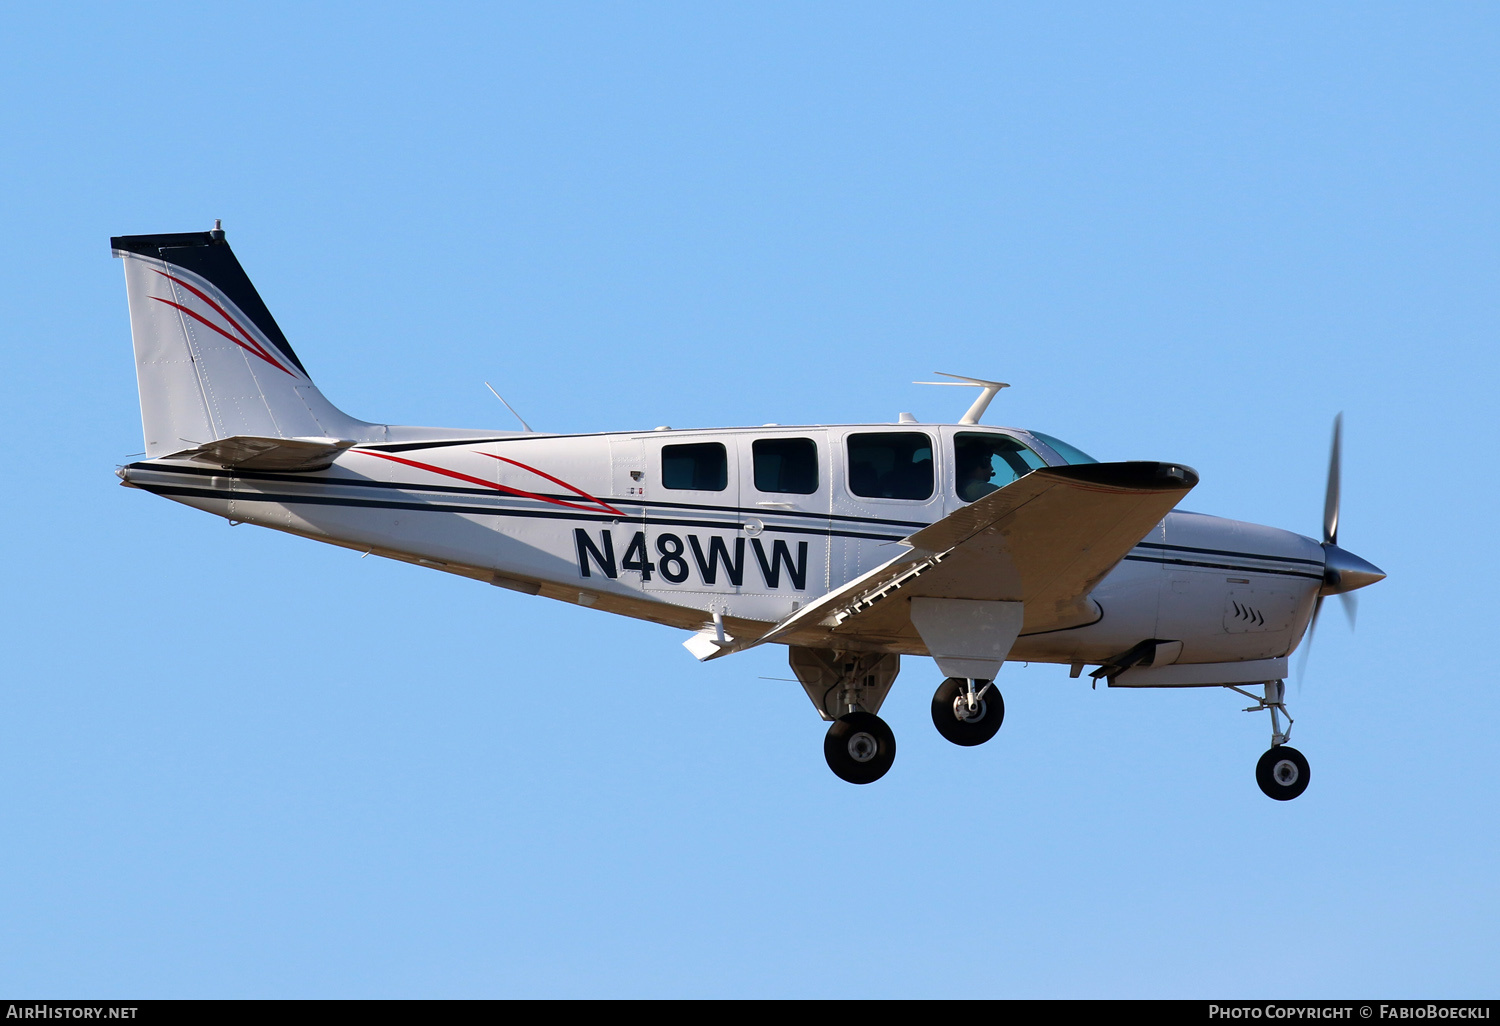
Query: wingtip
[[1135, 475]]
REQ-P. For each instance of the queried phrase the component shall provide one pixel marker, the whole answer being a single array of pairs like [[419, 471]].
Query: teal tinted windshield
[[1066, 451]]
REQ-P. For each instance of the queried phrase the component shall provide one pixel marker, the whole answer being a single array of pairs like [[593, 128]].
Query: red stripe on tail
[[222, 313], [206, 322]]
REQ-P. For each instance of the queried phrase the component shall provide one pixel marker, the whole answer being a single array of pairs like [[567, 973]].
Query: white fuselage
[[590, 519]]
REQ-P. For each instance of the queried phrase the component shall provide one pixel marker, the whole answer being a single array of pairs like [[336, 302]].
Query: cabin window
[[787, 465], [701, 468], [891, 465], [985, 462]]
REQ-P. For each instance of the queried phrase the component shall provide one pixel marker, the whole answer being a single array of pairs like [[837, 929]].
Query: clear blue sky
[[236, 763]]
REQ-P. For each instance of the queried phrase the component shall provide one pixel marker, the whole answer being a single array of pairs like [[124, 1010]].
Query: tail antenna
[[991, 389], [512, 409]]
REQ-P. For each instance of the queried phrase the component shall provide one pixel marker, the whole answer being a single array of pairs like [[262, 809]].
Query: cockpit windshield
[[1067, 452]]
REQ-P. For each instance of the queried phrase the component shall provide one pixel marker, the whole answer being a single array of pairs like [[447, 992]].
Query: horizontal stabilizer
[[252, 452]]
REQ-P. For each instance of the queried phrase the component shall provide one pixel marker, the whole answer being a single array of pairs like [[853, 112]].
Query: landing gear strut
[[967, 712], [1282, 772]]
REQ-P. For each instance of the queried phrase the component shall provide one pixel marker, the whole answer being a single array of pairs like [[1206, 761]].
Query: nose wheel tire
[[1282, 773], [953, 718], [859, 747]]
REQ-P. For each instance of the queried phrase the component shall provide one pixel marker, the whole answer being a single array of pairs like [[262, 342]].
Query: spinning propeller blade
[[1351, 607], [1307, 639], [1331, 498], [1343, 571]]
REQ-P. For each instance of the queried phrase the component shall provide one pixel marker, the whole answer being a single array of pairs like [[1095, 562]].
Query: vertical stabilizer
[[211, 362]]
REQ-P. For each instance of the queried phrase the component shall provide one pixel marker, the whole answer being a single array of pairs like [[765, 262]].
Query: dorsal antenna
[[991, 389], [509, 407]]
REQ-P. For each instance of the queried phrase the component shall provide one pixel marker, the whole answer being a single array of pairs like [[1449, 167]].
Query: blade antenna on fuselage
[[529, 429], [990, 390]]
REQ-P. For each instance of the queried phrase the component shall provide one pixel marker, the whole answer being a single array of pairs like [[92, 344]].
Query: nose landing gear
[[1282, 772], [967, 712]]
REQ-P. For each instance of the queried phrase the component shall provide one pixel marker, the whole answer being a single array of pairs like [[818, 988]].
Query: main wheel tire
[[1282, 773], [950, 712], [859, 747]]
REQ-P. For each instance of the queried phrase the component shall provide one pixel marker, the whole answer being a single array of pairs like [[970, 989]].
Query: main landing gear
[[1282, 772], [859, 747], [848, 688], [967, 712]]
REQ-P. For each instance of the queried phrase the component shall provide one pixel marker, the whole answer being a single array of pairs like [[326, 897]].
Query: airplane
[[852, 545]]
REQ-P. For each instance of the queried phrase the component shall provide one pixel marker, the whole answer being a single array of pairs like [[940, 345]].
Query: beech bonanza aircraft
[[852, 545]]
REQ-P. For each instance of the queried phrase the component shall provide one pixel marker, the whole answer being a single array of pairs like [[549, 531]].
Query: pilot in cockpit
[[975, 475]]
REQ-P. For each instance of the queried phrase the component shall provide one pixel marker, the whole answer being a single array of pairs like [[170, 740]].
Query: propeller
[[1343, 571]]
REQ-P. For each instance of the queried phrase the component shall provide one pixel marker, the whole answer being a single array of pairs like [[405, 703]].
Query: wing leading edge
[[1045, 540]]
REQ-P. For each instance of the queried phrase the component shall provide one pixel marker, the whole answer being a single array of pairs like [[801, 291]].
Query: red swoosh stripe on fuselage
[[599, 504], [554, 480]]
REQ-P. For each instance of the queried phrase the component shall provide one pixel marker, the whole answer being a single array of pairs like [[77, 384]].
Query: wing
[[1045, 540]]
